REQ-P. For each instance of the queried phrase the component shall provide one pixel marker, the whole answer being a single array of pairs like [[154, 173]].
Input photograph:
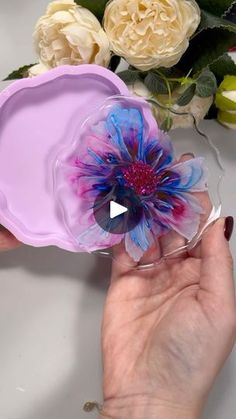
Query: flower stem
[[169, 96]]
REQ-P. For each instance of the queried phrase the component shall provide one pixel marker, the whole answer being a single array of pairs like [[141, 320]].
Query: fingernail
[[188, 155], [229, 228]]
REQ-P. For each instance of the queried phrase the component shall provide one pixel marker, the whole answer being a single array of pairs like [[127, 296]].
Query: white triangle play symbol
[[116, 209]]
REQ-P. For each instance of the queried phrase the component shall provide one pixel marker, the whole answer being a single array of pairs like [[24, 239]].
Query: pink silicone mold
[[37, 116]]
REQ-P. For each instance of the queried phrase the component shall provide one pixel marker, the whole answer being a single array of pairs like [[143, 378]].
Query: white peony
[[37, 69], [69, 34], [151, 33]]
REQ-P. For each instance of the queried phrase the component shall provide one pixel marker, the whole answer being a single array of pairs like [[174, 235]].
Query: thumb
[[217, 261], [7, 240]]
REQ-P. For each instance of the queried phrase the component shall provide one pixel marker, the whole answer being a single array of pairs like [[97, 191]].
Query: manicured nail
[[188, 155], [229, 228]]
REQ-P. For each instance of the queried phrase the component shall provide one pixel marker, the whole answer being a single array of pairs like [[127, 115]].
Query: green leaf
[[170, 72], [206, 48], [187, 95], [210, 21], [217, 7], [21, 73], [156, 84], [223, 66], [206, 84], [114, 63], [129, 76], [214, 37], [231, 13], [97, 7]]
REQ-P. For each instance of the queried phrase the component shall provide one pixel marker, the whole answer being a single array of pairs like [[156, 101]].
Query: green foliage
[[206, 59], [129, 76], [21, 73], [210, 43], [206, 84], [231, 13], [214, 37], [170, 72], [167, 124], [156, 84], [216, 7], [210, 21], [97, 7], [223, 66], [187, 95]]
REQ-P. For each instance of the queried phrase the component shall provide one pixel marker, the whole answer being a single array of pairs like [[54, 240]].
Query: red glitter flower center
[[140, 177]]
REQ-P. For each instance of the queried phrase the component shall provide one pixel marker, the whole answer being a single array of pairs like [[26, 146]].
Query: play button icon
[[116, 209], [119, 211]]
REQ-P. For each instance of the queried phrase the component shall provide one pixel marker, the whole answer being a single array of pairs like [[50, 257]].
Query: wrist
[[143, 408]]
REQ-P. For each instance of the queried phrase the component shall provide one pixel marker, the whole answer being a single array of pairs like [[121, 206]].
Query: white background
[[51, 301]]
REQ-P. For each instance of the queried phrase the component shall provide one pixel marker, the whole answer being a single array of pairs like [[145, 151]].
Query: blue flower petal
[[138, 241], [98, 159], [159, 152], [127, 142], [126, 127], [139, 235], [190, 175]]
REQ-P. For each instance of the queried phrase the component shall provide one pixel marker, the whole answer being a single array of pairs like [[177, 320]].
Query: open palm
[[168, 330]]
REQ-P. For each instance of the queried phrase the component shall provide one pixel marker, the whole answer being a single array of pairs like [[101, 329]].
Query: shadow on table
[[222, 390], [55, 262], [84, 379], [67, 403]]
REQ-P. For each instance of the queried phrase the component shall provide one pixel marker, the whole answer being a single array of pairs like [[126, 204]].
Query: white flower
[[151, 33], [37, 69], [69, 34], [198, 107]]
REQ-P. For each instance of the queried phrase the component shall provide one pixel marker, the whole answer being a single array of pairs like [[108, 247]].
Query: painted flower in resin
[[121, 152]]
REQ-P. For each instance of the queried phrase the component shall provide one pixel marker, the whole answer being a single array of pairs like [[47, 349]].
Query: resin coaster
[[75, 145]]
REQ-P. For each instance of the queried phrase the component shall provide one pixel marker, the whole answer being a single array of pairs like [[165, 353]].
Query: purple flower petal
[[190, 175], [94, 238], [123, 151], [183, 216], [97, 149], [159, 151]]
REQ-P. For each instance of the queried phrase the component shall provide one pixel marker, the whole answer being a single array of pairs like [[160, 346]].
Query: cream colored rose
[[37, 69], [198, 107], [151, 33], [69, 34]]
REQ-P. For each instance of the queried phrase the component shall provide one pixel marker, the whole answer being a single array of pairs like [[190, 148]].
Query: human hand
[[167, 331], [7, 240]]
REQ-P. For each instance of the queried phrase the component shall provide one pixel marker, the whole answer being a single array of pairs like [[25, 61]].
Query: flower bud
[[226, 102]]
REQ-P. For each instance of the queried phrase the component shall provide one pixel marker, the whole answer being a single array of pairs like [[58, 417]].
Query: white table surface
[[51, 301]]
